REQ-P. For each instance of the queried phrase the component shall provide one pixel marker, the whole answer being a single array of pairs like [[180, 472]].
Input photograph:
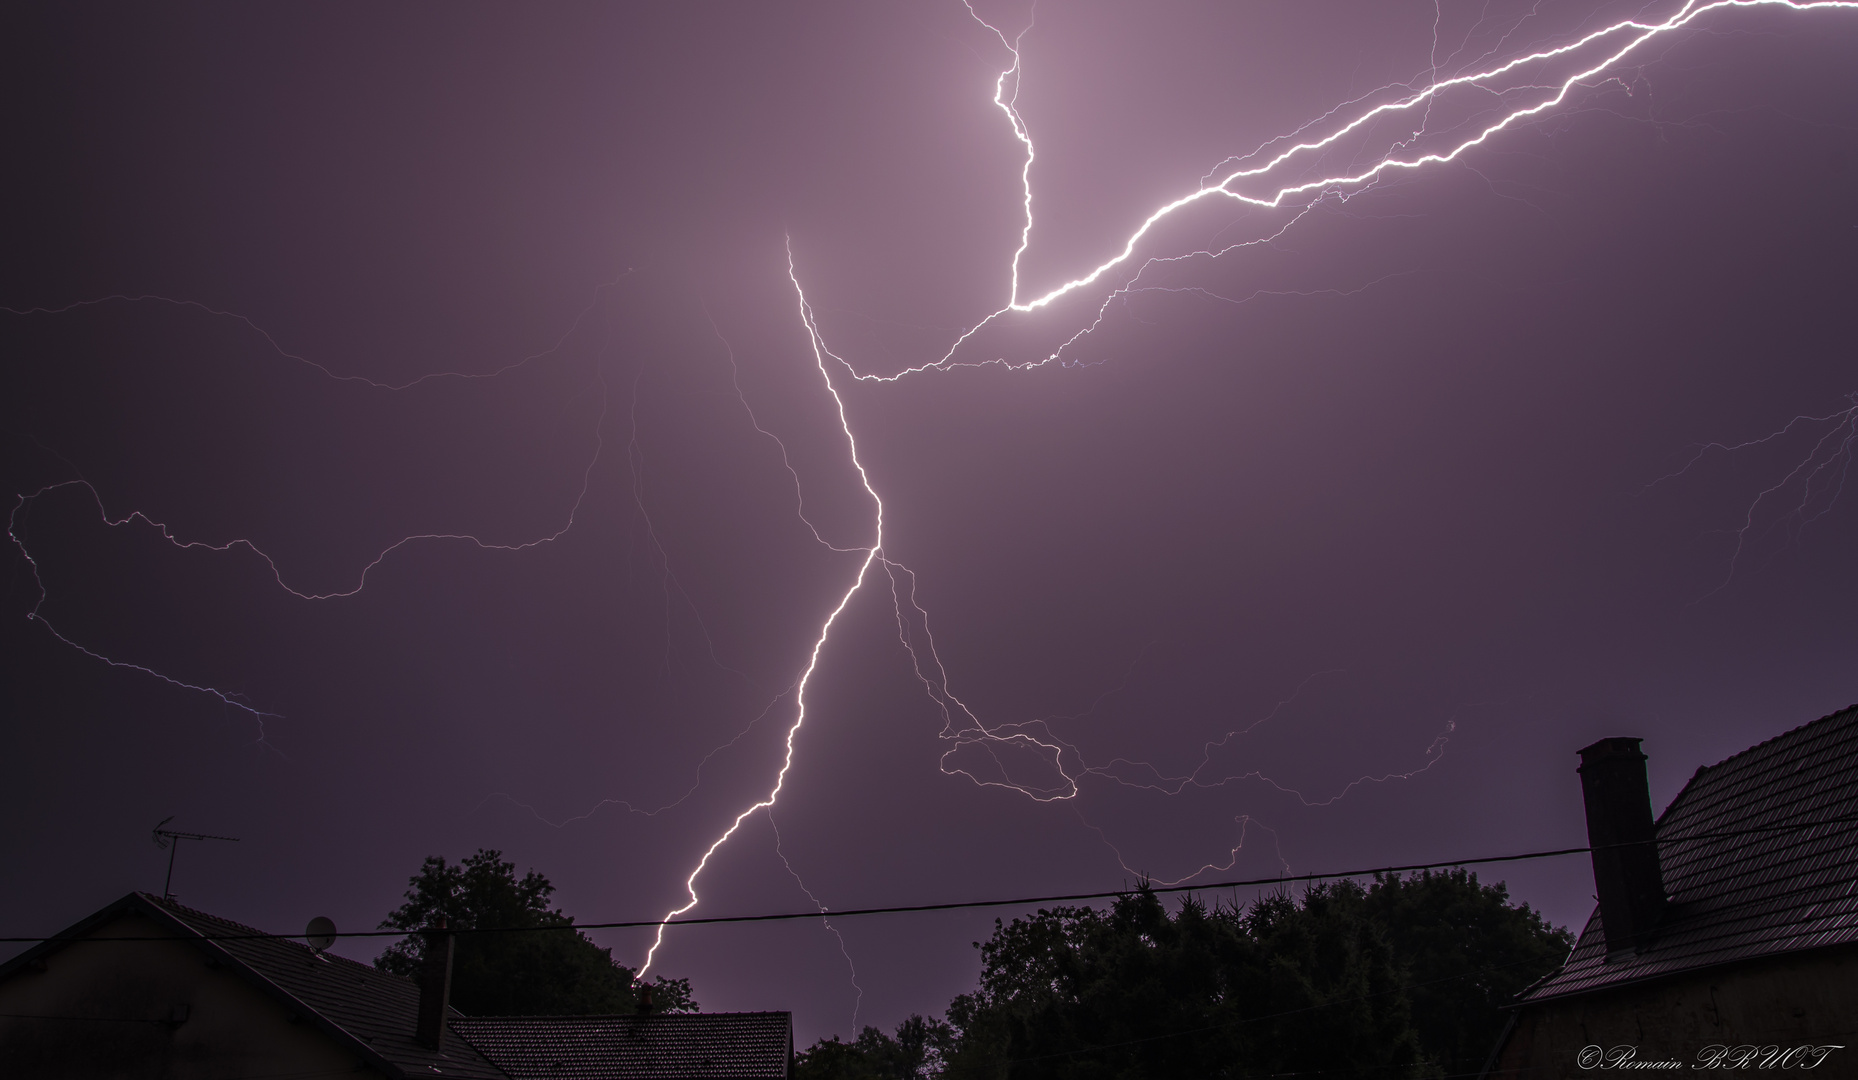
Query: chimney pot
[[435, 987], [1626, 873]]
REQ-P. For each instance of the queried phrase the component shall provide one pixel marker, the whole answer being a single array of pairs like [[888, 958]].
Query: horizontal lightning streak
[[36, 613], [277, 572]]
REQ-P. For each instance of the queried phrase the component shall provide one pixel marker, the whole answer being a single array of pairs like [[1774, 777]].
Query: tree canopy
[[915, 1052], [1466, 952], [1403, 978], [548, 969]]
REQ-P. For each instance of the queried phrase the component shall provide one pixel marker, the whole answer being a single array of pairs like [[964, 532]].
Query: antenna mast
[[170, 839]]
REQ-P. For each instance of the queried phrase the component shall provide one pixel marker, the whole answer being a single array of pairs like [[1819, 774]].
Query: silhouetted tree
[[1309, 988], [546, 969], [1402, 979], [1466, 951], [914, 1053]]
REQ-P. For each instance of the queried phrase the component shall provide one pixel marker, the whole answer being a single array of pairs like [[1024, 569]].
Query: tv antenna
[[170, 840]]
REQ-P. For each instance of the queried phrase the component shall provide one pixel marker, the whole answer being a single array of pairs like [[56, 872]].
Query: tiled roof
[[1757, 894], [373, 1014], [670, 1046], [376, 1009]]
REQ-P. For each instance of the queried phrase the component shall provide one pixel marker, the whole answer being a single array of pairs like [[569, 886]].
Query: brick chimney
[[435, 987], [1619, 828]]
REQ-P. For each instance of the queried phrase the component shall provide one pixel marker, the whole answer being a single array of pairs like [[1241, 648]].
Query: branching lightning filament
[[1437, 119], [1284, 174]]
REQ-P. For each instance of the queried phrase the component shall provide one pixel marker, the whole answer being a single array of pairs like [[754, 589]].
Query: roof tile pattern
[[1751, 895], [673, 1046], [376, 1008]]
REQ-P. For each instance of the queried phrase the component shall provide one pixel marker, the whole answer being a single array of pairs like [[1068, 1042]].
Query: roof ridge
[[1790, 732], [1678, 799], [184, 913], [178, 909]]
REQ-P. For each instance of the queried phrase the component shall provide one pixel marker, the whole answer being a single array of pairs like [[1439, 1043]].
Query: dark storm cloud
[[1401, 504]]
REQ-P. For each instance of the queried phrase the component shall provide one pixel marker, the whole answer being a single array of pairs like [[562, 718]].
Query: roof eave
[[1641, 980]]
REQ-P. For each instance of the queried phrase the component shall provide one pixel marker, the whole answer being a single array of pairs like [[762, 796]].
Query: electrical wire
[[1018, 901]]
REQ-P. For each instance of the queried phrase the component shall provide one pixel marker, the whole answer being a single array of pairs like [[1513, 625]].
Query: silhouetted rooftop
[[1753, 895], [667, 1046], [373, 1014]]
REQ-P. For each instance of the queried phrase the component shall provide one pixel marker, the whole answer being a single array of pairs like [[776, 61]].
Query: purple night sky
[[1325, 552]]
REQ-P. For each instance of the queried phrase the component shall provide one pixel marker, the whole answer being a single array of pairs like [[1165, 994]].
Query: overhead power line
[[1017, 901]]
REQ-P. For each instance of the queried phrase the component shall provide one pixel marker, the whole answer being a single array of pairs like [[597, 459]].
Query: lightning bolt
[[819, 643], [1264, 179], [1264, 186], [1284, 175]]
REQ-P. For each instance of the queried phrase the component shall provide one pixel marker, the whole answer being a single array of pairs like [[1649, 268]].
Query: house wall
[[1808, 998], [153, 1010]]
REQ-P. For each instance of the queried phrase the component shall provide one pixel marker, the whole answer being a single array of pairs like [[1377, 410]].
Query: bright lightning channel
[[1250, 186], [1253, 187], [819, 643]]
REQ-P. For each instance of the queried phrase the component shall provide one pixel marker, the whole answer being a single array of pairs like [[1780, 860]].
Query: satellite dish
[[320, 933]]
